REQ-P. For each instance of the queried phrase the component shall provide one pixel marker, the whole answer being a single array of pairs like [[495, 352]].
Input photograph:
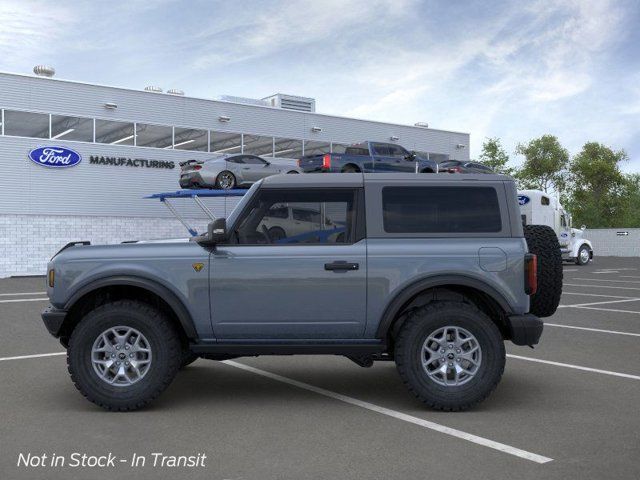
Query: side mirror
[[216, 233], [410, 156], [583, 227], [268, 163]]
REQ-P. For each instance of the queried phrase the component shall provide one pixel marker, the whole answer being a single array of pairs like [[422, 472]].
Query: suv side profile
[[432, 272]]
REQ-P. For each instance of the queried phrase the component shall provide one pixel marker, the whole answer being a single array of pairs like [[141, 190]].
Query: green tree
[[631, 216], [599, 193], [545, 164], [495, 156]]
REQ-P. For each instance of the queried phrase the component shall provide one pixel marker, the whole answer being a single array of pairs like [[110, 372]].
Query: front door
[[278, 280]]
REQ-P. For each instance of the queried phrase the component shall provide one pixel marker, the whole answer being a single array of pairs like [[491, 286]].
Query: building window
[[158, 136], [26, 124], [440, 210], [225, 143], [72, 128], [114, 133], [312, 147], [287, 148], [191, 139], [257, 145]]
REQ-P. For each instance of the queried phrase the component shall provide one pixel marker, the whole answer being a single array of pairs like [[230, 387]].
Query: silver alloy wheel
[[226, 180], [451, 356], [584, 255], [121, 356]]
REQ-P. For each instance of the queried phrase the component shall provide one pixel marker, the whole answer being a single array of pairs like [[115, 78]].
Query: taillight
[[530, 274], [326, 161], [298, 162], [455, 170], [197, 167]]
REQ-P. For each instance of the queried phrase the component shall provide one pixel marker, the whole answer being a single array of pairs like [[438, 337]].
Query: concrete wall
[[608, 242]]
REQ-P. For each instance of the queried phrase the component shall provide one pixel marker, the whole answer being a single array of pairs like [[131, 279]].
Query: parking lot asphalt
[[567, 409]]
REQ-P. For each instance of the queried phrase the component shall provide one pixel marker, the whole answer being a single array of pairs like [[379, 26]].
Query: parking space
[[567, 409]]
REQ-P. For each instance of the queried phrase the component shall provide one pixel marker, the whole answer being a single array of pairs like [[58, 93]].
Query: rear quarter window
[[441, 210]]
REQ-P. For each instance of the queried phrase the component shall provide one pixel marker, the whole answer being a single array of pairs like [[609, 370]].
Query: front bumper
[[525, 329], [53, 319]]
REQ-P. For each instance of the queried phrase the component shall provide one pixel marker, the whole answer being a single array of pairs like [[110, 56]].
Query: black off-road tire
[[543, 242], [277, 233], [426, 320], [163, 340], [350, 169]]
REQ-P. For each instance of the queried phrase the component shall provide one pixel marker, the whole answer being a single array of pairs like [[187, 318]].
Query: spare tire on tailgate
[[543, 242]]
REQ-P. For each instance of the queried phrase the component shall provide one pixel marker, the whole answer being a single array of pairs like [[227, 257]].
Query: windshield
[[231, 219]]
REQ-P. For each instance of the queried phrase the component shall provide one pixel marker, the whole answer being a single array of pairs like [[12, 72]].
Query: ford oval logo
[[56, 157], [523, 200]]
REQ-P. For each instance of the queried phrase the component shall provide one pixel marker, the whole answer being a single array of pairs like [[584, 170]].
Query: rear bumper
[[53, 319], [525, 329]]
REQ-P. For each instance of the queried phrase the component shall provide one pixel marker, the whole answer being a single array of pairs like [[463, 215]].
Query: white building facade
[[130, 144]]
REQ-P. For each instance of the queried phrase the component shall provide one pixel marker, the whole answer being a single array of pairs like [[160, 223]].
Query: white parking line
[[485, 442], [576, 367], [629, 276], [604, 280], [571, 269], [22, 293], [610, 310], [16, 300], [23, 357], [598, 303], [600, 286], [615, 332], [594, 295]]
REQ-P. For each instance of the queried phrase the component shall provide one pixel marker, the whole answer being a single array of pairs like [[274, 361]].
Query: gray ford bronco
[[433, 272]]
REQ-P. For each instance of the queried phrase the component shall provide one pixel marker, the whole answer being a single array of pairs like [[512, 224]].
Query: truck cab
[[540, 208]]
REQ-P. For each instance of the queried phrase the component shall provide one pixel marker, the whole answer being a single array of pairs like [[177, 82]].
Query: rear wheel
[[225, 180], [349, 169], [292, 172], [543, 242], [123, 354], [450, 355], [584, 255], [276, 233]]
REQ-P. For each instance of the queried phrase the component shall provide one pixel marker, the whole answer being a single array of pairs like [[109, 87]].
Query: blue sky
[[514, 70]]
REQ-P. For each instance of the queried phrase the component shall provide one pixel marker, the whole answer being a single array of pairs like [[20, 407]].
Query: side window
[[544, 200], [318, 217], [278, 211], [381, 149], [235, 159], [397, 151], [563, 221], [251, 160], [441, 210]]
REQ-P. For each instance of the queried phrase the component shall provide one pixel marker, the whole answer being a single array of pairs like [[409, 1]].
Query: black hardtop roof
[[359, 179]]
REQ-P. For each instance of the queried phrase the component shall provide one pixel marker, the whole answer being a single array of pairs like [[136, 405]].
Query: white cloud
[[29, 29]]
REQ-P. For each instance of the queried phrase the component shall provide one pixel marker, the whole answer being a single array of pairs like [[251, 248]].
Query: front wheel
[[123, 354], [450, 355], [584, 255]]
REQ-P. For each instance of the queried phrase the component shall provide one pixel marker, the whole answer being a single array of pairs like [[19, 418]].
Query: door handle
[[341, 266]]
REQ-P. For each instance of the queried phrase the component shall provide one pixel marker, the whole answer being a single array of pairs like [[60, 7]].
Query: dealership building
[[128, 144]]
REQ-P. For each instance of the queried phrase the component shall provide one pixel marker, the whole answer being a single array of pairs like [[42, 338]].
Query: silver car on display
[[230, 171]]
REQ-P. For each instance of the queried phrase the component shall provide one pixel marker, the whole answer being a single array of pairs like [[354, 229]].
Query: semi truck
[[540, 208]]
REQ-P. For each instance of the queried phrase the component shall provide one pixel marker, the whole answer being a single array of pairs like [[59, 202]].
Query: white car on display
[[540, 208]]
